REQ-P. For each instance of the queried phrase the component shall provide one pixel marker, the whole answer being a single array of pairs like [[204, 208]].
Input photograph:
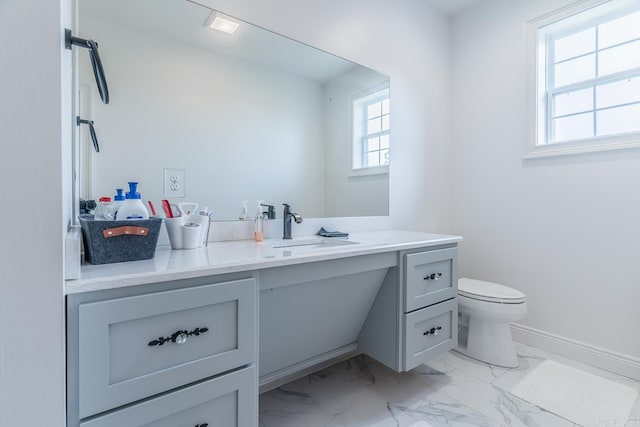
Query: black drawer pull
[[433, 331], [202, 425], [179, 337], [433, 276]]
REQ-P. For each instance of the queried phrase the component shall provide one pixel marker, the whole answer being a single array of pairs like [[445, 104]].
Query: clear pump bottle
[[102, 209], [259, 223], [244, 214]]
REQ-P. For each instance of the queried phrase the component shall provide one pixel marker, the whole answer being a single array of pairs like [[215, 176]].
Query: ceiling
[[452, 7]]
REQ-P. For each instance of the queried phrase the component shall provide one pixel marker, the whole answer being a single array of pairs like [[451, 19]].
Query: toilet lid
[[488, 291]]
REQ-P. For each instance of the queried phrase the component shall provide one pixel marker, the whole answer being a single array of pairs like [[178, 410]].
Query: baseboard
[[299, 370], [585, 353]]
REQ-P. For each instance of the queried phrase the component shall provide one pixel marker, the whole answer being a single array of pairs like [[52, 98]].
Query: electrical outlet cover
[[174, 184]]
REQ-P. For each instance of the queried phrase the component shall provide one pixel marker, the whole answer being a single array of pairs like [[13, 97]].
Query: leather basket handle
[[126, 230]]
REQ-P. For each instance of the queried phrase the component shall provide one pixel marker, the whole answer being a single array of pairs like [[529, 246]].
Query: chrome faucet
[[286, 221]]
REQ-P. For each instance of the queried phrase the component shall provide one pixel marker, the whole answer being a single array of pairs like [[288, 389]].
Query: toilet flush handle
[[433, 276]]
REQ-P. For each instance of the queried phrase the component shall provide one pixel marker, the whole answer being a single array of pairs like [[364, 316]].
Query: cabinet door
[[430, 277], [226, 401], [429, 332], [139, 346]]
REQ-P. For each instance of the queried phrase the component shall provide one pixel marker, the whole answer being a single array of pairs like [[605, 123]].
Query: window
[[371, 131], [586, 88]]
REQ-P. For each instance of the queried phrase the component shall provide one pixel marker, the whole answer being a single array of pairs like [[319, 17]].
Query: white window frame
[[538, 101], [358, 126]]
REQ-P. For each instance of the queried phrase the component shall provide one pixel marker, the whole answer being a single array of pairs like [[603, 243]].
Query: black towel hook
[[92, 131], [96, 63]]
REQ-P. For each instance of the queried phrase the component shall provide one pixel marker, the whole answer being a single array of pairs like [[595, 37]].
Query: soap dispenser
[[132, 207], [244, 215], [259, 223]]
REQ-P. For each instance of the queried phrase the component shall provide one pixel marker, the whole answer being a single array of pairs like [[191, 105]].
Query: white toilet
[[485, 310]]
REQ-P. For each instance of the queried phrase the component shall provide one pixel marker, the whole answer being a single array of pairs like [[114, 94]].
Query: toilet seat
[[489, 292]]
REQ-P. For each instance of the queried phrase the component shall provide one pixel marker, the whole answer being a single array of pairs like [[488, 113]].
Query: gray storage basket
[[119, 241]]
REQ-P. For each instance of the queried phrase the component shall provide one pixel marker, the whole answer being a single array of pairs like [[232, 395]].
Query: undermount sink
[[313, 243]]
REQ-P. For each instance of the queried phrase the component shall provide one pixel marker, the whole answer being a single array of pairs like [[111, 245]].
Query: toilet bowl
[[485, 311]]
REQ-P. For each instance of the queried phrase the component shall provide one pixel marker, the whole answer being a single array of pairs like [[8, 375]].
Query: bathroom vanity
[[191, 337]]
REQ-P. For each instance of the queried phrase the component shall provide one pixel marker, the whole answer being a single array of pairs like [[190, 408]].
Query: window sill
[[591, 145], [378, 170]]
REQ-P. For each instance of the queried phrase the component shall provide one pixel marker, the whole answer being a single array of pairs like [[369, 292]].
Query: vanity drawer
[[134, 347], [226, 401], [430, 277], [429, 332]]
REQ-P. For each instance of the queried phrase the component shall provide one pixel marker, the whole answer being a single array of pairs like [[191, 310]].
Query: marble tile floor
[[452, 390]]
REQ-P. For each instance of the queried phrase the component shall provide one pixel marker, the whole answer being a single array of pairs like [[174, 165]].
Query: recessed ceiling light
[[220, 22]]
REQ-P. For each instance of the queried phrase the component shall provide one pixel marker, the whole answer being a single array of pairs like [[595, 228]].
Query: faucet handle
[[271, 211]]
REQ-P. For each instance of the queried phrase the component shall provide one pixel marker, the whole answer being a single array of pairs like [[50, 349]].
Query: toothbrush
[[167, 208], [153, 209]]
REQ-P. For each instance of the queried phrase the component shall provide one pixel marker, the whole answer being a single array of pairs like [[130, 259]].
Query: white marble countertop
[[243, 255]]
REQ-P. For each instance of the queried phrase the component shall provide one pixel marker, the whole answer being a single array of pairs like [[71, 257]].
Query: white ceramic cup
[[174, 230], [203, 222], [191, 235]]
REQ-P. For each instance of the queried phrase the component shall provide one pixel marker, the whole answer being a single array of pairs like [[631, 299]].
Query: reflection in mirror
[[247, 116]]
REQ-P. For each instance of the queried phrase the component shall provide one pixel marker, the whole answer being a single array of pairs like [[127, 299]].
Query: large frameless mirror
[[204, 116]]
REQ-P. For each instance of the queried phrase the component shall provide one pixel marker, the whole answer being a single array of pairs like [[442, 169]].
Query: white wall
[[563, 230], [407, 40], [217, 117], [33, 214], [346, 194]]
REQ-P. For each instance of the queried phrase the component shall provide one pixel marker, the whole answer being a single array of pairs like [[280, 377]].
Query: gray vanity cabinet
[[185, 352], [429, 277], [429, 331], [416, 310], [225, 401], [135, 346]]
